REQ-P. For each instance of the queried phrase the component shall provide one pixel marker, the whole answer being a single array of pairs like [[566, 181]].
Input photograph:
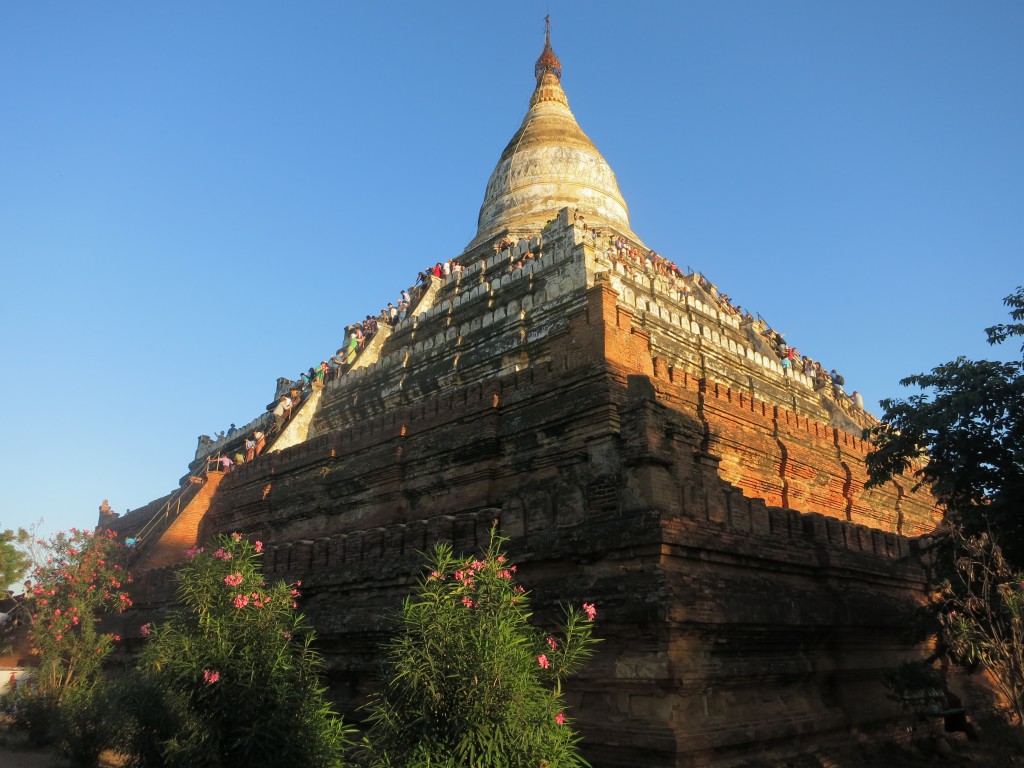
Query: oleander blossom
[[233, 579], [146, 629], [590, 610], [258, 546], [210, 676], [543, 661], [560, 718]]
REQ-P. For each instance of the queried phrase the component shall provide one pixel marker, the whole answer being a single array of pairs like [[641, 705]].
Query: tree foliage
[[964, 433], [981, 613], [14, 561], [468, 682], [232, 678]]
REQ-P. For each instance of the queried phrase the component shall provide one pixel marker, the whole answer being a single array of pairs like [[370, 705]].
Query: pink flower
[[543, 661], [241, 601], [590, 610], [233, 580], [501, 558], [459, 575], [560, 718], [552, 643], [435, 575], [222, 554], [477, 565], [210, 676], [146, 629], [236, 537], [259, 546], [191, 553], [468, 602]]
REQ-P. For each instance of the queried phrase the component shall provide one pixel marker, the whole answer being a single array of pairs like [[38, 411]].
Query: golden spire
[[547, 62]]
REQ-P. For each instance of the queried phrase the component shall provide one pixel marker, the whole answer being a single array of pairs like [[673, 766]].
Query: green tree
[[232, 679], [980, 610], [468, 682], [963, 436], [14, 561]]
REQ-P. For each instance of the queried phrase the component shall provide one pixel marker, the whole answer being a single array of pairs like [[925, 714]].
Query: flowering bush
[[468, 681], [79, 578], [234, 673]]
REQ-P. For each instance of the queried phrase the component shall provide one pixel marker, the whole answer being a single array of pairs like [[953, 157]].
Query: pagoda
[[640, 441]]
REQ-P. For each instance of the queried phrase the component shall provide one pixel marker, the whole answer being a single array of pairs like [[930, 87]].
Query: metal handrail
[[171, 509]]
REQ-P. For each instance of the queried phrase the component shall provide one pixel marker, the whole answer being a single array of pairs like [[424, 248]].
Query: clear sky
[[196, 198]]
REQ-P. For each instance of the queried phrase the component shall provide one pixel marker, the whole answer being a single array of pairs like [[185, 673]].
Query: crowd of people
[[357, 336], [619, 251], [650, 264]]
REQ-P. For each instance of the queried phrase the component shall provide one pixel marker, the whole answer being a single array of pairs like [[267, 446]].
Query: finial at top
[[547, 62]]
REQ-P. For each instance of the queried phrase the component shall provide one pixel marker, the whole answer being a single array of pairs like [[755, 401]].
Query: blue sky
[[196, 198]]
